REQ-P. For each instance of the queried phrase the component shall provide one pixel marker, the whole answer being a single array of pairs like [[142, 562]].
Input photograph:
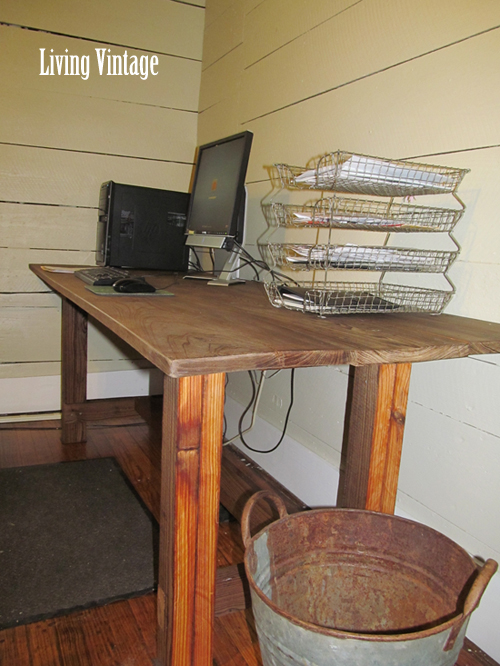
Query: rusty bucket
[[339, 587]]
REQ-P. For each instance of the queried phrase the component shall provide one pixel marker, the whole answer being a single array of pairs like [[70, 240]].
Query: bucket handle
[[272, 498], [473, 599]]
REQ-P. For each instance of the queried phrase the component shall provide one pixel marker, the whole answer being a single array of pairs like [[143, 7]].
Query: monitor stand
[[226, 277]]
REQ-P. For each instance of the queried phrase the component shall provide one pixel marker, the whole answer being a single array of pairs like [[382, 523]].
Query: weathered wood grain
[[387, 437], [74, 374], [192, 441], [374, 437], [204, 330]]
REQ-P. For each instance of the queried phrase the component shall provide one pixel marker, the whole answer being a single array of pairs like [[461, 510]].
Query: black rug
[[73, 535]]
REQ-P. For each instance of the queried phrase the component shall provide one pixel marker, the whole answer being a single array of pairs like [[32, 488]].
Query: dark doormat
[[73, 535]]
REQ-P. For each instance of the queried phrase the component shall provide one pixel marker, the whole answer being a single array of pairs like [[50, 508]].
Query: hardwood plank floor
[[123, 633]]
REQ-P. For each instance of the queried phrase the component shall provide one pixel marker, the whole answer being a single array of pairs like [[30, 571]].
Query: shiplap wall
[[399, 79], [62, 136]]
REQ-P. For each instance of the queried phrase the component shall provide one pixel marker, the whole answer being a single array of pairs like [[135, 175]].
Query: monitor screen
[[219, 187]]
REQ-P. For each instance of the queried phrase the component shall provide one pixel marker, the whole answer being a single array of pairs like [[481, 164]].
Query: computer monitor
[[216, 214]]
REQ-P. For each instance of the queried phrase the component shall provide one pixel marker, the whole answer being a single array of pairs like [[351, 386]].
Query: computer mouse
[[133, 285]]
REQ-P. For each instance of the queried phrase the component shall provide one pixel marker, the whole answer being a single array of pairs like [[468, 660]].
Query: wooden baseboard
[[241, 477]]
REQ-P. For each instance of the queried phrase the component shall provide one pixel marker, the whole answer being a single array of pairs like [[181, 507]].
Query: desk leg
[[370, 465], [73, 372], [193, 415]]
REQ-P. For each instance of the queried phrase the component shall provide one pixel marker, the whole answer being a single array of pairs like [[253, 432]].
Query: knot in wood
[[399, 417]]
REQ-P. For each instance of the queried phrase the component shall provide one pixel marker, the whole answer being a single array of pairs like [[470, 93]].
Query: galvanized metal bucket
[[343, 587]]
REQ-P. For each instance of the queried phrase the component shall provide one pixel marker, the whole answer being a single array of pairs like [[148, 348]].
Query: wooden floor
[[123, 633]]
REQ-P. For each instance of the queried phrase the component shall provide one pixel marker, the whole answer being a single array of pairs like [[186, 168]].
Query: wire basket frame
[[362, 174], [364, 214], [337, 298], [356, 257]]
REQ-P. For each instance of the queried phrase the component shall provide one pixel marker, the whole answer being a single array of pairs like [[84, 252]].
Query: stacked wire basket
[[315, 263]]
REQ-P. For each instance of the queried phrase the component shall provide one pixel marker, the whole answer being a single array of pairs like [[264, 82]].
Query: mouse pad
[[109, 291]]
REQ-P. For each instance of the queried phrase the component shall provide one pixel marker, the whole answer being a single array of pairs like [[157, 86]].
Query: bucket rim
[[387, 516], [440, 627]]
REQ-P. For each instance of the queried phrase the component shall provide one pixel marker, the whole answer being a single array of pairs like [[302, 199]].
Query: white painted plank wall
[[62, 136], [403, 79]]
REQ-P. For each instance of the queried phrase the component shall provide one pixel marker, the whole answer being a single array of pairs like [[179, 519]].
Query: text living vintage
[[108, 64]]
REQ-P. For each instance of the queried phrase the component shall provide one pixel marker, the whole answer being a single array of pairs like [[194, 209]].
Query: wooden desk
[[196, 337]]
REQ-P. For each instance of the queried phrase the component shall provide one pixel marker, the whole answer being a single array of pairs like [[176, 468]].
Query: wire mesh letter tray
[[363, 175]]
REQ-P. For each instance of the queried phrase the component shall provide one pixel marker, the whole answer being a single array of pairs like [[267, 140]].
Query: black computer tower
[[142, 227]]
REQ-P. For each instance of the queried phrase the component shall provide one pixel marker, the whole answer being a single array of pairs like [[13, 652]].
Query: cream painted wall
[[402, 79], [62, 136]]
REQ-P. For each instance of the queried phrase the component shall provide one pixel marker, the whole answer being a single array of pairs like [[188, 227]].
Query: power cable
[[285, 425]]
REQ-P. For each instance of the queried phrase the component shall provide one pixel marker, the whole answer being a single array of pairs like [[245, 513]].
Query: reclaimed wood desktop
[[195, 338]]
